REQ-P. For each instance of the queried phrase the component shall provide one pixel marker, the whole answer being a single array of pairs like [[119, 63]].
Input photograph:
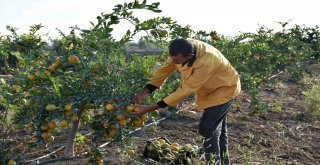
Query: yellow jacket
[[211, 78]]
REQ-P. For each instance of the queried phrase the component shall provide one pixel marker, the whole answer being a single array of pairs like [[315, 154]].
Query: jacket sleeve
[[194, 80], [162, 73]]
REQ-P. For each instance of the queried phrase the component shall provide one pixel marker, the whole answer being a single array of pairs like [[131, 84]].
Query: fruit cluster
[[160, 149], [94, 157]]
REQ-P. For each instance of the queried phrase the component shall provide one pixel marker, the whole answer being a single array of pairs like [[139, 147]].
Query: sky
[[227, 17]]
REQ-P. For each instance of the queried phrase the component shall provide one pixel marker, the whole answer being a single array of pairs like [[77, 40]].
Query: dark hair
[[180, 46]]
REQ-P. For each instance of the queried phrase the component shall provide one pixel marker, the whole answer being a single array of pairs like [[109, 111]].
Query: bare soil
[[291, 136]]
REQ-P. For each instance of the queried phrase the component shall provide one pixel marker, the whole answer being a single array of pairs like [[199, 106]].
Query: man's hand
[[142, 109], [140, 96]]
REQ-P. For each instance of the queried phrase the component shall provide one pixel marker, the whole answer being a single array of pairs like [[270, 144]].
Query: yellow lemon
[[45, 135], [63, 124], [100, 112], [47, 73], [50, 138], [31, 77], [73, 59], [52, 125], [68, 107], [130, 108], [121, 117], [51, 107], [110, 107], [144, 117], [11, 162], [75, 118]]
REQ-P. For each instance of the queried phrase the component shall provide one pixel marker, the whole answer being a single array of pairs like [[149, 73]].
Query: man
[[208, 74]]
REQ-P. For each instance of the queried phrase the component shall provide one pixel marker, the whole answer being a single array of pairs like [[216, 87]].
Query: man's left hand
[[142, 109]]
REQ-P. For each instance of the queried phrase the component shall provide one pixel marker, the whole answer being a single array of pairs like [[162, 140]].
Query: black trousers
[[213, 127]]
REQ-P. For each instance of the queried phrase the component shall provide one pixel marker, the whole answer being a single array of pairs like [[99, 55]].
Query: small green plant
[[80, 139], [154, 128], [312, 99], [247, 153], [277, 106], [279, 125], [257, 106], [251, 137]]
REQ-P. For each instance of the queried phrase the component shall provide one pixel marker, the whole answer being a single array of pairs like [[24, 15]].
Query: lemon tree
[[83, 78]]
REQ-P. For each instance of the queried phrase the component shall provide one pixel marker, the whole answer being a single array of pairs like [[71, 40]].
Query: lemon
[[73, 59], [110, 107], [51, 107]]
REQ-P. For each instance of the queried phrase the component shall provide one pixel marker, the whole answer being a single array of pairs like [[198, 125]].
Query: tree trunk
[[69, 149]]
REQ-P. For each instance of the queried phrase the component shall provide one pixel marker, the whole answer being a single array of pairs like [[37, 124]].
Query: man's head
[[180, 51]]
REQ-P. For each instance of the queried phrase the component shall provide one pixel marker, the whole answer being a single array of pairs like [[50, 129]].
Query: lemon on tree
[[63, 124], [16, 88], [137, 122], [130, 108], [52, 68], [105, 124], [68, 113], [100, 112], [120, 117], [122, 122], [37, 73], [51, 107], [75, 118], [31, 77], [30, 126], [112, 133], [73, 59], [110, 107], [47, 73], [45, 135], [144, 117], [50, 138], [11, 162], [68, 107], [52, 125], [44, 126], [128, 120]]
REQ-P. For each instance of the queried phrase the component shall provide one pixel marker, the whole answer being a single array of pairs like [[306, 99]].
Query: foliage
[[15, 49], [6, 125], [259, 56]]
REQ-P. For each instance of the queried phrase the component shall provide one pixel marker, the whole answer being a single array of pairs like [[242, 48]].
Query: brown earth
[[290, 136]]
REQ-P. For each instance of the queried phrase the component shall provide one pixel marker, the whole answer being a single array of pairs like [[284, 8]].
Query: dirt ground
[[290, 136]]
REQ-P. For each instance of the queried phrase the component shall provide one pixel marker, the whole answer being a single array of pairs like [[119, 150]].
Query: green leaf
[[56, 89]]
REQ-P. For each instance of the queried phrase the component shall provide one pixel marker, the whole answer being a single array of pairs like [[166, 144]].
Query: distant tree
[[142, 43]]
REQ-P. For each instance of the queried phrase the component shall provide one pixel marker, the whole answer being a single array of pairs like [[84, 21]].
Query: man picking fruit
[[208, 74]]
